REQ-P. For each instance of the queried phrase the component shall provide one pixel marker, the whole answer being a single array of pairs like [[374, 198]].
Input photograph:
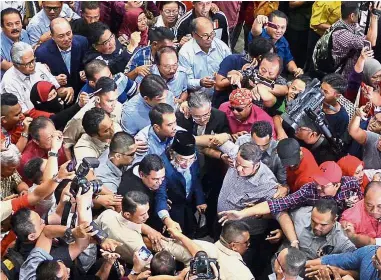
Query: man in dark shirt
[[146, 177], [90, 14]]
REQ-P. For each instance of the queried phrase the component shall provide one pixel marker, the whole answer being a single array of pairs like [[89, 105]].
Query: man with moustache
[[64, 54], [11, 25]]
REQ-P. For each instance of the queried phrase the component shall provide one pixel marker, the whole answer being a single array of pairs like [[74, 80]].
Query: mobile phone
[[272, 25], [367, 45], [271, 235], [71, 166], [144, 253]]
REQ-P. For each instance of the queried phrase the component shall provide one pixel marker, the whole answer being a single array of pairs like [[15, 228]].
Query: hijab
[[371, 67], [39, 97], [348, 165], [130, 25]]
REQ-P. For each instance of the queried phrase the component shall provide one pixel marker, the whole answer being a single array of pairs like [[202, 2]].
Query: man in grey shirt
[[116, 159]]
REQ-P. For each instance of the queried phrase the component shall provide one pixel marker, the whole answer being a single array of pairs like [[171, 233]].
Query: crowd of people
[[147, 140]]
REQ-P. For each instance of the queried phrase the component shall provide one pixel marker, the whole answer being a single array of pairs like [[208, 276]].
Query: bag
[[322, 56]]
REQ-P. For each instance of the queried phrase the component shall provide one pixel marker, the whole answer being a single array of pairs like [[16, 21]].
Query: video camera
[[251, 74], [200, 266]]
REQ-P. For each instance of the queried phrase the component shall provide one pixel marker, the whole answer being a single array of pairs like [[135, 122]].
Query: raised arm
[[355, 131]]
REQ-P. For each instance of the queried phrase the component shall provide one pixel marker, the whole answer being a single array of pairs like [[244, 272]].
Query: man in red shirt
[[242, 113], [300, 163], [42, 131], [14, 125]]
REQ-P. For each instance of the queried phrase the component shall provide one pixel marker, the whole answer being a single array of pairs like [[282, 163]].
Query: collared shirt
[[199, 64], [257, 114], [362, 221], [177, 85], [135, 113], [324, 12], [269, 157], [310, 244], [281, 45], [142, 56], [308, 195], [74, 128], [108, 173], [66, 56], [88, 146], [359, 260], [29, 267], [20, 85], [130, 234], [236, 191], [40, 23], [6, 45]]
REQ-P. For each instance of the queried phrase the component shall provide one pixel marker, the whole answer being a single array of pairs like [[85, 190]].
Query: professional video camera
[[200, 266], [80, 178], [308, 104], [251, 74]]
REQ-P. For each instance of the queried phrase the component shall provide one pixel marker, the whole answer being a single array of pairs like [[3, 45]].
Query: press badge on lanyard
[[217, 29]]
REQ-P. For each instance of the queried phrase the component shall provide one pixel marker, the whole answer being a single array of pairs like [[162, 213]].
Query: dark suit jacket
[[49, 54]]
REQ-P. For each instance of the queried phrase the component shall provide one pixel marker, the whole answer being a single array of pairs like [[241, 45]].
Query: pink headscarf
[[130, 25]]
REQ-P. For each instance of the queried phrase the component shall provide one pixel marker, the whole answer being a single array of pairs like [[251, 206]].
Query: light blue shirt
[[66, 56], [177, 85], [40, 23], [135, 113], [6, 45], [199, 64]]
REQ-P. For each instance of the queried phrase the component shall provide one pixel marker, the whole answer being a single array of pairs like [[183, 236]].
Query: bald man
[[362, 222], [288, 264], [64, 53]]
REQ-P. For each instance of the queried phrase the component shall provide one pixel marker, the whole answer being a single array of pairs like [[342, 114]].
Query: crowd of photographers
[[137, 142]]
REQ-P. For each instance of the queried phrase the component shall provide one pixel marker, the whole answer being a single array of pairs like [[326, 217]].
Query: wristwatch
[[52, 154], [56, 179], [68, 236], [24, 134], [133, 272]]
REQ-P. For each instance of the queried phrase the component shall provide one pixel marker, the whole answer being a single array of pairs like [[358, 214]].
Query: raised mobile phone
[[71, 166], [144, 253], [272, 25], [367, 45]]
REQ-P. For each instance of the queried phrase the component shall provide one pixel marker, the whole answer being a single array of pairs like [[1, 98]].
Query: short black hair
[[21, 224], [96, 30], [159, 34], [250, 152], [152, 86], [164, 50], [304, 78], [9, 11], [274, 57], [163, 263], [233, 229], [371, 185], [132, 199], [324, 205], [278, 14], [260, 46], [105, 85], [37, 124], [92, 119], [47, 270], [157, 112], [348, 8], [151, 162], [8, 100], [262, 129], [337, 82], [94, 67], [90, 5], [32, 170], [121, 142]]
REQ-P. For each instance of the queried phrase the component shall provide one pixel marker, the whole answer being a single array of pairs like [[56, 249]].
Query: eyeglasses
[[247, 242], [186, 160], [54, 9], [238, 109], [171, 12], [104, 43], [202, 117], [300, 129], [170, 67], [278, 261], [207, 36], [325, 250], [28, 64]]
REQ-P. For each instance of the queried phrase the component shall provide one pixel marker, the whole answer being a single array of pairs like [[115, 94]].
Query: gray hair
[[11, 156], [18, 50], [250, 152], [199, 99], [295, 262]]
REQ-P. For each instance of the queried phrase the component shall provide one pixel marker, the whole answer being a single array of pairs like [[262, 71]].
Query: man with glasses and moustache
[[202, 55]]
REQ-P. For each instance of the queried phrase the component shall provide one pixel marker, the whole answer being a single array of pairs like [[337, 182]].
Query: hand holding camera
[[203, 267]]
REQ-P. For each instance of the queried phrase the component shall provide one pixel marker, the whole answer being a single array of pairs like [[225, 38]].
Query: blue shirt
[[6, 45], [135, 113], [66, 57], [360, 260], [40, 23], [108, 173], [199, 64], [231, 62], [282, 46], [177, 85], [141, 57]]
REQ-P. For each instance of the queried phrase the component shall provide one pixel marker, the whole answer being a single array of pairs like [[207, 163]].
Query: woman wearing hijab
[[45, 98], [135, 20]]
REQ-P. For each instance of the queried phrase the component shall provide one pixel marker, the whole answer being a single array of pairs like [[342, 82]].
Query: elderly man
[[289, 264], [24, 73], [38, 27], [11, 26], [64, 54], [202, 55]]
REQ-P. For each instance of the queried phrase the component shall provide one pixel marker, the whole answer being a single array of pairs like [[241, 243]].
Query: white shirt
[[20, 85]]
